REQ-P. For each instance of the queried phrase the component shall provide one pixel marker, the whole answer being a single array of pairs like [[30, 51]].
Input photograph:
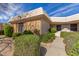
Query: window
[[73, 27]]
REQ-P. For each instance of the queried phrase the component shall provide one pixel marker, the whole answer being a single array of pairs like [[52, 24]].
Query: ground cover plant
[[71, 39]]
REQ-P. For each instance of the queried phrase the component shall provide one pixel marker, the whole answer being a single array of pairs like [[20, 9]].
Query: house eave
[[38, 17], [68, 22]]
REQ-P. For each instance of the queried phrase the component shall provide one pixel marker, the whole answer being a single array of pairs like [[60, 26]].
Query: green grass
[[71, 39], [27, 45]]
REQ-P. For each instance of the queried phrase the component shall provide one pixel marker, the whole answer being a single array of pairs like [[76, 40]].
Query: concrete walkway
[[57, 48]]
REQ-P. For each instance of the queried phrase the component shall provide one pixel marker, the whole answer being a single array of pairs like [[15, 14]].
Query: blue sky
[[53, 9]]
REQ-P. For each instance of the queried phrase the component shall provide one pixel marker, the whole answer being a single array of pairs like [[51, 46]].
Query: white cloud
[[8, 10], [61, 9], [1, 17], [14, 7], [48, 9]]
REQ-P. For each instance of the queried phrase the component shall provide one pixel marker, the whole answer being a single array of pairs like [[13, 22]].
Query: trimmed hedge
[[71, 39], [8, 30], [27, 45], [49, 37]]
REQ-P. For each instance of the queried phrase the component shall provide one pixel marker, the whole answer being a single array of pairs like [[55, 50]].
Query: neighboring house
[[37, 19], [1, 26]]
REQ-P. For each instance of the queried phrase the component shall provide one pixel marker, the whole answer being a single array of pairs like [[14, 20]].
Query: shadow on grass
[[43, 51]]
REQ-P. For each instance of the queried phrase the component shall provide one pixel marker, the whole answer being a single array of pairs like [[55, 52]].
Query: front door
[[20, 27], [73, 27], [58, 27]]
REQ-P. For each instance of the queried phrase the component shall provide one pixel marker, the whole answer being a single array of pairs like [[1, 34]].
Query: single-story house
[[37, 19]]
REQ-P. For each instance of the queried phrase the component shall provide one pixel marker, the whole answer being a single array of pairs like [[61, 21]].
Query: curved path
[[57, 47]]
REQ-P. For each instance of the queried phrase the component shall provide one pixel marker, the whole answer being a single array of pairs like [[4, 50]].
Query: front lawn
[[71, 39]]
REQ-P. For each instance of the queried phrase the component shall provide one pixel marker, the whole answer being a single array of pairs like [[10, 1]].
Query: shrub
[[8, 30], [53, 30], [1, 32], [49, 37], [71, 39], [27, 32], [27, 45]]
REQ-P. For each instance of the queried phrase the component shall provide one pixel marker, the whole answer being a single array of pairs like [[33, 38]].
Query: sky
[[10, 10]]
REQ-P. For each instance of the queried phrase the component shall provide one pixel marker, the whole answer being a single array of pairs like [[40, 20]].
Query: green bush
[[1, 32], [27, 32], [27, 45], [49, 37], [53, 30], [8, 30], [71, 39]]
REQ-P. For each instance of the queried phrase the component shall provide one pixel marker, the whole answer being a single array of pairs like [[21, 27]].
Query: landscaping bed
[[71, 39]]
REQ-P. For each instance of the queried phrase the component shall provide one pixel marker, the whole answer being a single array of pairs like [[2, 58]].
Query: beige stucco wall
[[44, 26], [15, 27], [39, 24], [32, 25]]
